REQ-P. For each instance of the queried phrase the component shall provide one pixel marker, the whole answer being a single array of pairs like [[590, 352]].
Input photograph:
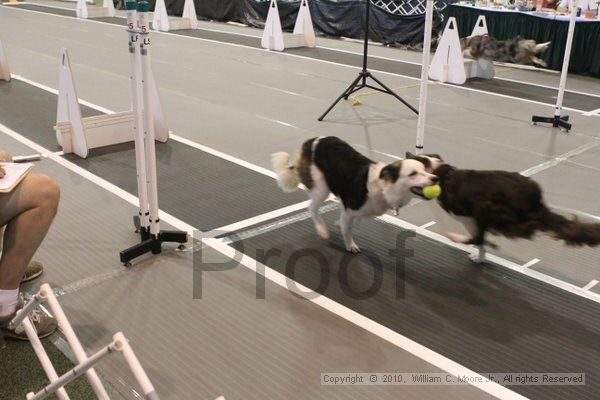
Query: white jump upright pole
[[558, 120], [424, 77], [144, 34], [144, 108], [138, 121]]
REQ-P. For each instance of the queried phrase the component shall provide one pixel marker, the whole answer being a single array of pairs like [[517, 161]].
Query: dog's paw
[[353, 248], [457, 237], [322, 231], [477, 257]]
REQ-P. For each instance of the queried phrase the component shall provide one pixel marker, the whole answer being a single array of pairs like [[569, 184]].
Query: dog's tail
[[287, 175], [572, 231]]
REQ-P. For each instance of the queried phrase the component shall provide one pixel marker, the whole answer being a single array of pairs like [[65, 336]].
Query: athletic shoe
[[34, 270], [44, 324]]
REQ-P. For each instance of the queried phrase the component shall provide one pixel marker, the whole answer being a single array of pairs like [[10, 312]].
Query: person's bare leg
[[27, 213], [5, 156]]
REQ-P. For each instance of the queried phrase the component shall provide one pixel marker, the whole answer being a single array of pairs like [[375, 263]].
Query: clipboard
[[15, 172]]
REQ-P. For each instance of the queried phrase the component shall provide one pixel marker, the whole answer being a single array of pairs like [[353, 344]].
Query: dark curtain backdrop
[[330, 17]]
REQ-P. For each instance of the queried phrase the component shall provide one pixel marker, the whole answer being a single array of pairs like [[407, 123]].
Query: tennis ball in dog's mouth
[[432, 192]]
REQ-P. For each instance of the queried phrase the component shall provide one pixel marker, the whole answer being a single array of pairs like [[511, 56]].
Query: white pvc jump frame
[[107, 10], [303, 35], [162, 22], [85, 364]]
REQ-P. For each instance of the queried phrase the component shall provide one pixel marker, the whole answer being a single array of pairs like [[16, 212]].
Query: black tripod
[[361, 81]]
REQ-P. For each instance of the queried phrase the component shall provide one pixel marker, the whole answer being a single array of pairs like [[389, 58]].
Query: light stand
[[361, 81], [151, 236], [558, 120]]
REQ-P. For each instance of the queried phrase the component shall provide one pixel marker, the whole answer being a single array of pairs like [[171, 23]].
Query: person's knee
[[48, 192], [5, 156]]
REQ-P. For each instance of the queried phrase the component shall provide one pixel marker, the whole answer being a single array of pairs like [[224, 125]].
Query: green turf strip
[[21, 372]]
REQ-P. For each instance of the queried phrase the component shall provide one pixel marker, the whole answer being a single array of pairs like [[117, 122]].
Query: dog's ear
[[391, 172]]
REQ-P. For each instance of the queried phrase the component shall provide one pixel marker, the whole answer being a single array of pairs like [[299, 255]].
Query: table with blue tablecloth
[[506, 24]]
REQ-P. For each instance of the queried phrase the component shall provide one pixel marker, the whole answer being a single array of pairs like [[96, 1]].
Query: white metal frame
[[85, 363], [107, 10], [4, 69], [162, 22], [303, 35]]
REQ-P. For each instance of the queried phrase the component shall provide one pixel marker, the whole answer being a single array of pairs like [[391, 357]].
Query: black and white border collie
[[366, 188], [503, 203]]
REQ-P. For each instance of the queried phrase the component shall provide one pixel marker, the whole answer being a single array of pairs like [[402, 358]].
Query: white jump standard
[[85, 363], [107, 10], [4, 70], [79, 135], [449, 64], [139, 48], [303, 35], [162, 22]]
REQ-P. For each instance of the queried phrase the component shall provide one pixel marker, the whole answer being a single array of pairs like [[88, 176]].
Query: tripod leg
[[564, 124], [354, 90], [390, 91], [345, 95]]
